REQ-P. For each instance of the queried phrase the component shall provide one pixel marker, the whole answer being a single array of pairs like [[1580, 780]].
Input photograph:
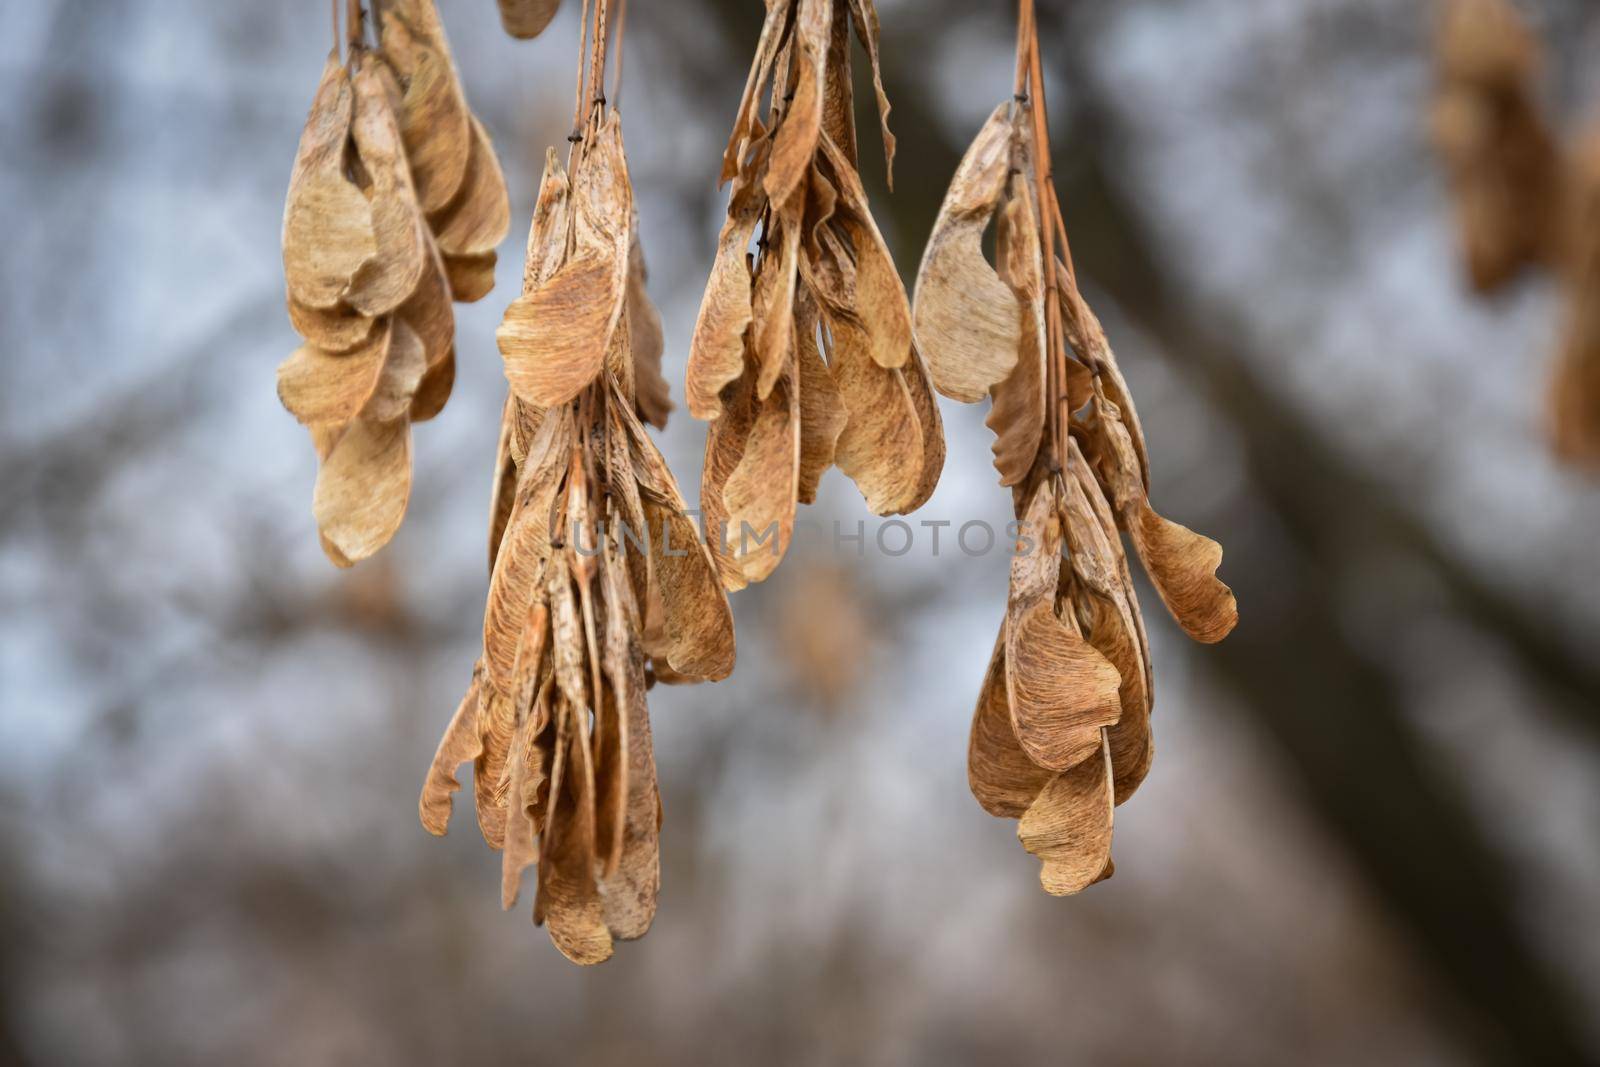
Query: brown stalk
[[597, 59], [622, 29], [578, 94], [356, 25], [1050, 225]]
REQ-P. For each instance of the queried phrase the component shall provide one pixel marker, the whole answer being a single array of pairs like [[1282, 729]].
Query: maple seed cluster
[[1521, 198], [806, 355], [1061, 733], [1502, 158], [802, 355], [579, 624], [395, 206]]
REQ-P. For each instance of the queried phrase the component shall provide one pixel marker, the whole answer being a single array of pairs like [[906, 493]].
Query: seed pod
[[527, 18], [327, 221], [652, 394], [364, 487], [389, 277], [967, 320], [1018, 415], [555, 338], [434, 120]]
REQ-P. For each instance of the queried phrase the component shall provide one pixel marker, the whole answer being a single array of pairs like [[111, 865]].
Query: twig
[[622, 29], [576, 136], [357, 26]]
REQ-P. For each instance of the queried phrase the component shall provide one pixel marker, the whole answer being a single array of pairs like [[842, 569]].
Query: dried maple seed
[[434, 120], [480, 216], [471, 277], [555, 338], [389, 277], [1061, 732], [527, 18], [327, 221], [364, 487]]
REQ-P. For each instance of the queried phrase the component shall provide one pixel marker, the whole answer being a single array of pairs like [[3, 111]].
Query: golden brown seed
[[527, 18], [327, 222], [364, 487]]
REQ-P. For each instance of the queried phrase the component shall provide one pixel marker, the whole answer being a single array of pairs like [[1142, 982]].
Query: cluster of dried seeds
[[395, 207], [806, 354], [1061, 734], [802, 356], [1520, 199], [600, 585], [1503, 161]]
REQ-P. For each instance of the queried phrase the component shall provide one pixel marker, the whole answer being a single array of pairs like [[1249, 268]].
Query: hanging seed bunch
[[527, 19], [1061, 733], [802, 355], [394, 209], [1521, 199], [1574, 401], [599, 584], [1503, 161]]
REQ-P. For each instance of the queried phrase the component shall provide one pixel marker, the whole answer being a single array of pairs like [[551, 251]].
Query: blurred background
[[1370, 835]]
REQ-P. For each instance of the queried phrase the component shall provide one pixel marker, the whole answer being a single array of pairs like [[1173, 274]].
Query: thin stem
[[1024, 22], [337, 40], [575, 467], [1061, 235], [357, 27], [594, 397], [1056, 371], [622, 29], [578, 93], [605, 437], [597, 58]]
